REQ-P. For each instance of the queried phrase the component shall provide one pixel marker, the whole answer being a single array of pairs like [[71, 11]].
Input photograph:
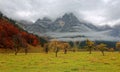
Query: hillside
[[12, 36]]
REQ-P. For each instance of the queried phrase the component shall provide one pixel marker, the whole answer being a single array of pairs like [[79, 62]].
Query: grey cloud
[[113, 11], [102, 11]]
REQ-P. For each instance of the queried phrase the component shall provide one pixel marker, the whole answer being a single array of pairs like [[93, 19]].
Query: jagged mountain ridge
[[67, 23]]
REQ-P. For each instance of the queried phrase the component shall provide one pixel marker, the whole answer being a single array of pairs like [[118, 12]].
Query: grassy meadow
[[71, 62]]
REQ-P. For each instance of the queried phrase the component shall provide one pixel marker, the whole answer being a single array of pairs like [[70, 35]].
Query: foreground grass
[[71, 62]]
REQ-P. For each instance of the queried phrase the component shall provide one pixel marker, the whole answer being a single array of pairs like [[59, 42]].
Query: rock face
[[67, 23], [40, 25]]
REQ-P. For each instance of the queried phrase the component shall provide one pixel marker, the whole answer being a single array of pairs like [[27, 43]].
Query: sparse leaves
[[102, 47]]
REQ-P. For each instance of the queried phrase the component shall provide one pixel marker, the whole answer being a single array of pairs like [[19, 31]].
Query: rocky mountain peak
[[70, 17], [67, 23]]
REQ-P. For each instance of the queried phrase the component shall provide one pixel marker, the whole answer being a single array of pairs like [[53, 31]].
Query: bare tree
[[90, 45]]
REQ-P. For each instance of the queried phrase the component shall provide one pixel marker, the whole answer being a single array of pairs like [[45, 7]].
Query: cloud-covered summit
[[95, 11]]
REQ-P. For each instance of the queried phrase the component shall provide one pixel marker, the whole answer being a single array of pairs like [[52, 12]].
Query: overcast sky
[[99, 12]]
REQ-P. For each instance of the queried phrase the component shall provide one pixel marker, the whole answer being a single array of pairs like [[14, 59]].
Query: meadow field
[[70, 62]]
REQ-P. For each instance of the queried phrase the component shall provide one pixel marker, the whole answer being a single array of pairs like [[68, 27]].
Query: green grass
[[71, 62]]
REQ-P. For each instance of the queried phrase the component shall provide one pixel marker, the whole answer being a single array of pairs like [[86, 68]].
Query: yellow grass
[[71, 62]]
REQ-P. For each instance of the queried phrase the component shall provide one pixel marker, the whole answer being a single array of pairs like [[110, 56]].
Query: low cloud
[[99, 12]]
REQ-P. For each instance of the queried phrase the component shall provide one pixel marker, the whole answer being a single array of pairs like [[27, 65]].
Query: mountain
[[69, 28], [115, 31], [72, 24], [67, 23], [41, 25]]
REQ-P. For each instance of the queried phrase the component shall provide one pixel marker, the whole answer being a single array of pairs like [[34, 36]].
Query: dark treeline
[[110, 44]]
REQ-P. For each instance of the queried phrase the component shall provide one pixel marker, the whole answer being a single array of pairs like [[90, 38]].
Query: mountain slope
[[11, 36]]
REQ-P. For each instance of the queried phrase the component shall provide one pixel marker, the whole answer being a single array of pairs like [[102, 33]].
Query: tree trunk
[[65, 51], [46, 50], [56, 54], [16, 51], [56, 51], [103, 53], [90, 51]]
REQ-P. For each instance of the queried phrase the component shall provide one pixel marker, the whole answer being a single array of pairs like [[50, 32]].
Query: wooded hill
[[14, 37]]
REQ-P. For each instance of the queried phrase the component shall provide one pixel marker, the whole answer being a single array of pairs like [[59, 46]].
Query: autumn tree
[[19, 42], [16, 43], [118, 46], [90, 45], [55, 45], [64, 46], [102, 47]]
